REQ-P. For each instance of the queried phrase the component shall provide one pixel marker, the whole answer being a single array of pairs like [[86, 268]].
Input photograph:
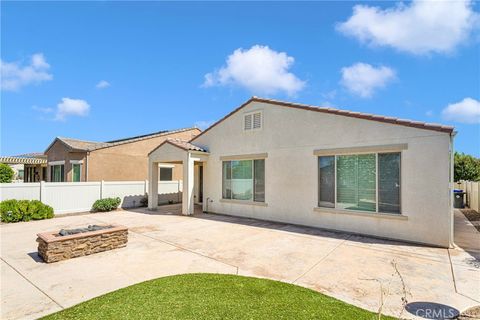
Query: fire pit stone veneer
[[53, 247]]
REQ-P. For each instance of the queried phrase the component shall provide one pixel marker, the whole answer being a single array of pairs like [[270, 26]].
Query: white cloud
[[363, 79], [14, 75], [103, 84], [465, 111], [204, 124], [429, 113], [259, 69], [42, 109], [71, 107], [421, 27]]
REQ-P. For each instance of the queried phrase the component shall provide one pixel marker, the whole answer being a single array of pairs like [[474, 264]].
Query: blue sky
[[100, 70]]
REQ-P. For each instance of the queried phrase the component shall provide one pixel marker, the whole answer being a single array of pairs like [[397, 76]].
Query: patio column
[[188, 176], [152, 185]]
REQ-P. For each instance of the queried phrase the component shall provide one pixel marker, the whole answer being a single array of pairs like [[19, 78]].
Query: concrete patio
[[349, 267]]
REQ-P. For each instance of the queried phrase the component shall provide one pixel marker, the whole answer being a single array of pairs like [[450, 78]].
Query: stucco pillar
[[188, 185], [152, 185]]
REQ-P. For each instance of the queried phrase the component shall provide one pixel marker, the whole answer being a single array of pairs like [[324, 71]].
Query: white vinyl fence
[[472, 190], [67, 197]]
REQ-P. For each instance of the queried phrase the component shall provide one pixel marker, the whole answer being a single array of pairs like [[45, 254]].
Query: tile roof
[[184, 145], [81, 145], [361, 115], [346, 113], [85, 145]]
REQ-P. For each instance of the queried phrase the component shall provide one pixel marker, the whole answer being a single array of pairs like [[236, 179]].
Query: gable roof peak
[[346, 113]]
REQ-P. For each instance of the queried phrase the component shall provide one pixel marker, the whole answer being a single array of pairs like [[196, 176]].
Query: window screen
[[326, 176], [389, 182], [259, 172]]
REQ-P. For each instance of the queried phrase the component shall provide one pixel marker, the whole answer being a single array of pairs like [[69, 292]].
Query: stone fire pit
[[66, 244]]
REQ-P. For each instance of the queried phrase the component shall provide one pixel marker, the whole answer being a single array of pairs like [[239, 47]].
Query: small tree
[[466, 167], [6, 173]]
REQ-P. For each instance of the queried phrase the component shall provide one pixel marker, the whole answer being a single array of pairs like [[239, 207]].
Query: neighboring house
[[319, 167], [31, 167], [72, 160]]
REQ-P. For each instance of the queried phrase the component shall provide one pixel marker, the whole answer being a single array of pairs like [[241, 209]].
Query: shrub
[[24, 210], [10, 211], [107, 204], [6, 173], [466, 167], [39, 211]]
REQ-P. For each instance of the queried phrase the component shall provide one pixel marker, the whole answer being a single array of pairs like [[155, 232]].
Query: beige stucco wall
[[59, 152], [289, 137], [129, 161]]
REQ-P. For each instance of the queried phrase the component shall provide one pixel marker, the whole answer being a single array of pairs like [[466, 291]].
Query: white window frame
[[252, 113], [56, 163], [166, 165]]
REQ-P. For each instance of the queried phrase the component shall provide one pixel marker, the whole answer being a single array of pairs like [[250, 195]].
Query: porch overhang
[[175, 151]]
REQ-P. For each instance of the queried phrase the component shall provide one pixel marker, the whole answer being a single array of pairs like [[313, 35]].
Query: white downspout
[[452, 183], [86, 166]]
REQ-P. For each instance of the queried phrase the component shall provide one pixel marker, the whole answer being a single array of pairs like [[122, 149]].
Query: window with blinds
[[57, 173], [365, 182], [252, 121]]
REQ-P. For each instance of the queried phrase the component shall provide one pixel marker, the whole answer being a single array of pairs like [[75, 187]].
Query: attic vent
[[257, 120], [252, 121], [248, 122]]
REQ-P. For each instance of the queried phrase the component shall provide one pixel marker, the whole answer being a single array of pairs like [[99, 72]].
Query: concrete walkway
[[351, 268]]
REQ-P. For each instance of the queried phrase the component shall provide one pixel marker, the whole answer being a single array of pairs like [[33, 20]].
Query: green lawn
[[213, 296]]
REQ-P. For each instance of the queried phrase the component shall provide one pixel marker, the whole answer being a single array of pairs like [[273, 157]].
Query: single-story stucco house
[[320, 167], [74, 160]]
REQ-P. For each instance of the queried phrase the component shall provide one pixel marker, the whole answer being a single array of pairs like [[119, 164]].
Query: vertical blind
[[57, 173], [76, 172], [356, 182], [355, 186]]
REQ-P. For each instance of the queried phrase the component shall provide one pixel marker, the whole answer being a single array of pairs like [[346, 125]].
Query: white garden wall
[[66, 197], [20, 191]]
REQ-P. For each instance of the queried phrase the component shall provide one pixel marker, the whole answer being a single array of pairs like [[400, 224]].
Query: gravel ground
[[470, 314], [473, 216]]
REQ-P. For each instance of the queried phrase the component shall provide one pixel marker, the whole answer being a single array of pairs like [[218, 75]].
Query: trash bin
[[458, 196]]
